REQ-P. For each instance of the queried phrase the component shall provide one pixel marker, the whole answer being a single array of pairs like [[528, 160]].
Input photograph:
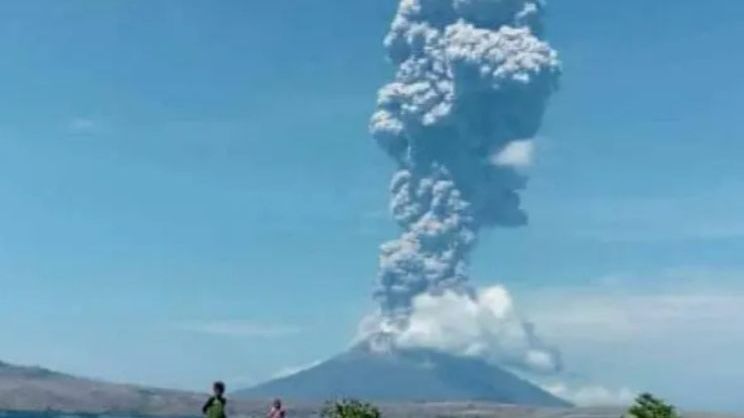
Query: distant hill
[[405, 376], [39, 389]]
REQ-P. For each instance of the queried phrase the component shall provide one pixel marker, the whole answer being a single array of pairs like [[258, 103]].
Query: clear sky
[[188, 191]]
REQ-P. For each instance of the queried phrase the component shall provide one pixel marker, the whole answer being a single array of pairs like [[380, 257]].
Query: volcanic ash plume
[[472, 81]]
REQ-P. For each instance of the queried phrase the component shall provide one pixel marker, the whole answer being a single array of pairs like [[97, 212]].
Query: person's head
[[277, 403], [218, 388]]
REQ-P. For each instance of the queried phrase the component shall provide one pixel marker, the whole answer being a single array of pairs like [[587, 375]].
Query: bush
[[350, 408], [648, 406]]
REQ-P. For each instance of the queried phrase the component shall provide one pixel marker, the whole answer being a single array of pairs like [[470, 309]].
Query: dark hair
[[219, 387]]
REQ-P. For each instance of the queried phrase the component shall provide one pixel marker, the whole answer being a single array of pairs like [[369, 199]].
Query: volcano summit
[[404, 375]]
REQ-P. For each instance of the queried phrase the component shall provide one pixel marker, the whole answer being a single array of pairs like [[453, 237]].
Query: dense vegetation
[[648, 406], [350, 408]]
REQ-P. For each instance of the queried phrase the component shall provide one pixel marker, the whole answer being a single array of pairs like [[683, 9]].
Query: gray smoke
[[472, 81]]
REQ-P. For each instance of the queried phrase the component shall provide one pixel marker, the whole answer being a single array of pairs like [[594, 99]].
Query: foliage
[[648, 406], [350, 408]]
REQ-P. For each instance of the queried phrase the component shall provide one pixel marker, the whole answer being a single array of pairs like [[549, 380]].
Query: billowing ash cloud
[[482, 324], [472, 81], [485, 325]]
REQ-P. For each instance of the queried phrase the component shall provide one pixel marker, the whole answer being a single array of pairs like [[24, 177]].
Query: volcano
[[397, 375]]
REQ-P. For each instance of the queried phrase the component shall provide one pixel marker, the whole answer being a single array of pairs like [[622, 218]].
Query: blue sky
[[188, 190]]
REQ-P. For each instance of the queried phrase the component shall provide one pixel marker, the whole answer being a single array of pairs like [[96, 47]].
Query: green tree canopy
[[350, 408], [648, 406]]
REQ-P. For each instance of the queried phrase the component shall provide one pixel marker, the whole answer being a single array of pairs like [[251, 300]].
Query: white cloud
[[592, 395], [238, 328], [483, 325], [516, 154], [82, 125], [615, 315], [646, 336]]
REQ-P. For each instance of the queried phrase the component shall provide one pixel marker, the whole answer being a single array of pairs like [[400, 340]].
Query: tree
[[350, 408], [648, 406]]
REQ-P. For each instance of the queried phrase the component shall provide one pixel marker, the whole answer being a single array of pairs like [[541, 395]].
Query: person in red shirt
[[276, 411]]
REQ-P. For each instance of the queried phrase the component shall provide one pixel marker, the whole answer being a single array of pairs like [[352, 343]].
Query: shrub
[[648, 406], [350, 408]]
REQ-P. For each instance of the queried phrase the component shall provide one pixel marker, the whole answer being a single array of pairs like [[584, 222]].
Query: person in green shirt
[[215, 405]]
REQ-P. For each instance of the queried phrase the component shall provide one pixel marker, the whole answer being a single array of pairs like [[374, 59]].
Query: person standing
[[277, 410], [216, 405]]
